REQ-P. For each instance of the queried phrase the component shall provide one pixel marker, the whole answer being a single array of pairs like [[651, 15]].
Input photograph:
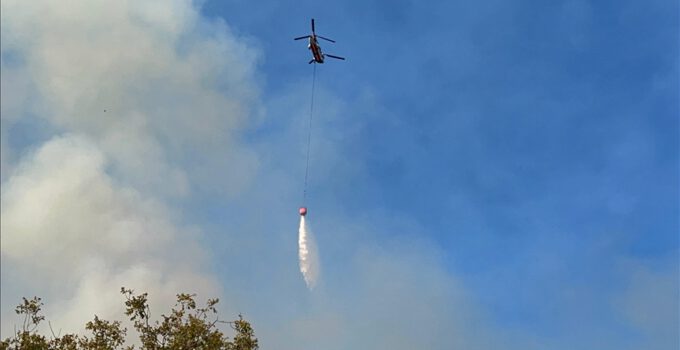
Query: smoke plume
[[309, 255], [112, 113]]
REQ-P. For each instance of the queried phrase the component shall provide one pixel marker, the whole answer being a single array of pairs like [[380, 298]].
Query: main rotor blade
[[336, 57], [312, 25], [302, 37], [331, 40]]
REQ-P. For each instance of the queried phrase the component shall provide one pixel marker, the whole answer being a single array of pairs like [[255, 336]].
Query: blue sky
[[535, 144], [505, 172]]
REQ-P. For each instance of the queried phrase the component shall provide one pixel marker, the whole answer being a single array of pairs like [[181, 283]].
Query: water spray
[[308, 254]]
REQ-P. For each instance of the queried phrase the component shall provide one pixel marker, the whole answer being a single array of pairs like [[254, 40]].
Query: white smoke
[[74, 236], [309, 255], [114, 108], [159, 88]]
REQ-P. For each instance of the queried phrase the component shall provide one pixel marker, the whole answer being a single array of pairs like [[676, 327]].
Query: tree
[[186, 327]]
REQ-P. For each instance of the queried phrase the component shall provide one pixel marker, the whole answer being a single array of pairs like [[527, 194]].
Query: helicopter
[[317, 55]]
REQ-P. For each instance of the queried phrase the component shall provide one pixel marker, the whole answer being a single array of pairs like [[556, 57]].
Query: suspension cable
[[309, 134]]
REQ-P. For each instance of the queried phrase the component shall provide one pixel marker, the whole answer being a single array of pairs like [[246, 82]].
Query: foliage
[[186, 327]]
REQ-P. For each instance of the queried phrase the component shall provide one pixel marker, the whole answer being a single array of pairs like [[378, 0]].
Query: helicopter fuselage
[[316, 49]]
